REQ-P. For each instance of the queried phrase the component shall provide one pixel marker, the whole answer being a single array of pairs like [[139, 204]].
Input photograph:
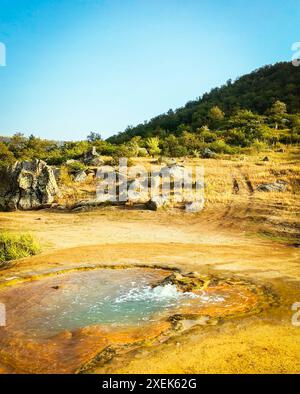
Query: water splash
[[164, 293]]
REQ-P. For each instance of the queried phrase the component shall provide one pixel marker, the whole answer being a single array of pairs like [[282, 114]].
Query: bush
[[6, 156], [65, 178], [220, 146], [16, 246], [259, 146], [76, 166]]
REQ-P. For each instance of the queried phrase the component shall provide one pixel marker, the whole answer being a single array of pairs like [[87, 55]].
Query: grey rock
[[278, 186], [208, 154], [176, 171], [60, 207], [87, 203], [27, 185], [80, 176], [157, 203], [56, 172], [92, 158], [81, 209]]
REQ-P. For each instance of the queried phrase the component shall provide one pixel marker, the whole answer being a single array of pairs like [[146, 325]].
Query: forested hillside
[[256, 91], [258, 111]]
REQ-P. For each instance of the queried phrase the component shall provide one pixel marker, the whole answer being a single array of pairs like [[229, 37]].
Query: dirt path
[[265, 343]]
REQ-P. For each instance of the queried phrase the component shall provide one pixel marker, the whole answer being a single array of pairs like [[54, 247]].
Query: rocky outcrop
[[27, 185], [186, 282]]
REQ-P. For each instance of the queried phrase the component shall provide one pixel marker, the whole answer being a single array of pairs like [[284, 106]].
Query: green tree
[[134, 145], [6, 156], [215, 114], [152, 145], [278, 108], [94, 137]]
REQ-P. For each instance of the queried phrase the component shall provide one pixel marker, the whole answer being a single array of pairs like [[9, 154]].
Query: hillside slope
[[256, 91]]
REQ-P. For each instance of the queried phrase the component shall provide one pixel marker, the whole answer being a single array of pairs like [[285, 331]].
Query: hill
[[256, 91]]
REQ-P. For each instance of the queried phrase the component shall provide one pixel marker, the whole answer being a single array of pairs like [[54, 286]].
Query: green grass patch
[[285, 239], [16, 246]]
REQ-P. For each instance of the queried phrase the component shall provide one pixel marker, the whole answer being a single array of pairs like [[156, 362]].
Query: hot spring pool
[[60, 322], [115, 297]]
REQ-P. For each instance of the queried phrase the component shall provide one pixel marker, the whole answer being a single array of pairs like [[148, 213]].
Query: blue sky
[[75, 66]]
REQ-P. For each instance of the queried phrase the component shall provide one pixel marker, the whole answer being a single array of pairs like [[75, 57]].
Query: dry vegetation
[[231, 191]]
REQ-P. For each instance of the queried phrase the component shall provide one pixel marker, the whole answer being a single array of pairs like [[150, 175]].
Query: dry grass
[[231, 190]]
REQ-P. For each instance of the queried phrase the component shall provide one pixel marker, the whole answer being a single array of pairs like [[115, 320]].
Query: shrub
[[259, 146], [220, 146], [142, 152], [152, 145], [16, 246], [6, 156], [65, 178], [76, 166]]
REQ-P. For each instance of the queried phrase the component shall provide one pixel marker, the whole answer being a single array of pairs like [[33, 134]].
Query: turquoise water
[[116, 297], [112, 297]]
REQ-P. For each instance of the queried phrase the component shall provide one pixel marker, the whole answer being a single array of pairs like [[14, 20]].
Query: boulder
[[157, 203], [278, 186], [92, 158], [138, 191], [56, 172], [266, 158], [176, 171], [27, 185], [208, 154], [80, 176]]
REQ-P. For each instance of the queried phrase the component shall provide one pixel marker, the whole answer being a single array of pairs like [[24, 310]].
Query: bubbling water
[[64, 322], [123, 297], [159, 293]]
